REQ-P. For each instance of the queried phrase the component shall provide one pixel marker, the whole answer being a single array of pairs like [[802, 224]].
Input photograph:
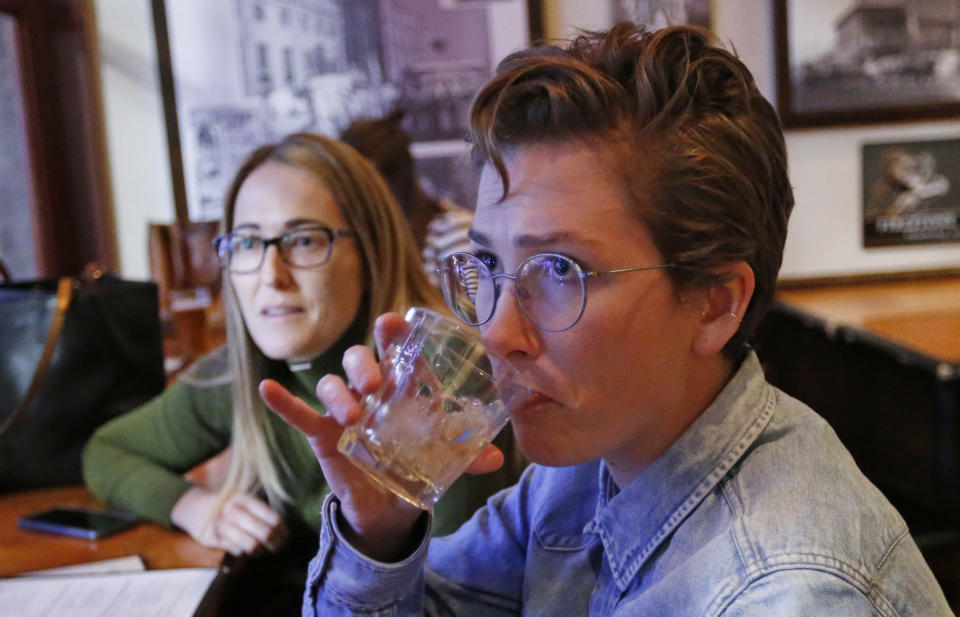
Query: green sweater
[[136, 462]]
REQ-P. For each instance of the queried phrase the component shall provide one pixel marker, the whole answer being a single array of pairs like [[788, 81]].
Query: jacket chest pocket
[[560, 575]]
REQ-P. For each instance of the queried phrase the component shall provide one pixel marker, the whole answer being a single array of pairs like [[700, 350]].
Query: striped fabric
[[447, 233]]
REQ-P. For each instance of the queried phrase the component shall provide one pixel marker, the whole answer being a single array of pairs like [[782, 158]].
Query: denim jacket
[[757, 510]]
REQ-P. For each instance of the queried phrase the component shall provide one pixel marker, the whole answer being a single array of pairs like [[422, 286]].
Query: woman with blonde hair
[[315, 247]]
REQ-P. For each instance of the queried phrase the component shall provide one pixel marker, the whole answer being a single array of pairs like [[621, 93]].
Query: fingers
[[322, 432], [235, 540], [242, 525], [490, 459], [389, 328], [256, 508], [250, 523], [290, 408], [338, 399], [361, 368]]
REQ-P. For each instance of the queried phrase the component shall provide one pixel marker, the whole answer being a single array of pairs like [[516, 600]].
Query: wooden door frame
[[63, 109]]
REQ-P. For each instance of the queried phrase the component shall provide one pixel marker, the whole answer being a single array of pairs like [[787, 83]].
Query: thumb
[[489, 459]]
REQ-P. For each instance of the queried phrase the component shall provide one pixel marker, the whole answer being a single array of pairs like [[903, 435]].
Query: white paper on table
[[153, 593], [131, 563]]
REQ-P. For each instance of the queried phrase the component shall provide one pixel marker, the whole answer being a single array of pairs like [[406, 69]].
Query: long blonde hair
[[394, 280]]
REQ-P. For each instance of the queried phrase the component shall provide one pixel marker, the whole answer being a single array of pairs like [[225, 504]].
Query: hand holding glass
[[439, 405]]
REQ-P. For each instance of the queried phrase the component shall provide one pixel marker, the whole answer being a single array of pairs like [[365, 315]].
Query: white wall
[[136, 137], [824, 237]]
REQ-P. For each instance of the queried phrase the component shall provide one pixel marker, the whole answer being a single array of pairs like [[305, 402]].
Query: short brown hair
[[699, 151]]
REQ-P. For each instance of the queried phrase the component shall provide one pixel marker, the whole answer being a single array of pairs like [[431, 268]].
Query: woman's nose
[[509, 332], [274, 271]]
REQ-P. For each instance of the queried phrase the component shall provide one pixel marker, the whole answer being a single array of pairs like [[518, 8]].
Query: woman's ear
[[723, 308]]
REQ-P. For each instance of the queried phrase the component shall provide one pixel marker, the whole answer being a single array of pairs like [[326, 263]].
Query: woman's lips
[[531, 403], [280, 311]]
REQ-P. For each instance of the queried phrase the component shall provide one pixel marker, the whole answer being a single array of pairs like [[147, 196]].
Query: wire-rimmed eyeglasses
[[304, 247], [550, 288]]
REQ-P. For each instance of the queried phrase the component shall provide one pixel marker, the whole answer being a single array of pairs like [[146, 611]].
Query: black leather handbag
[[74, 353]]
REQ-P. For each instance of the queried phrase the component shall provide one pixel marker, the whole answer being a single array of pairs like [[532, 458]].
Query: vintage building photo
[[251, 71], [860, 60]]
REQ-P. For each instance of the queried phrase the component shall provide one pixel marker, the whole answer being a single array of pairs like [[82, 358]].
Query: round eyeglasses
[[550, 288], [307, 247]]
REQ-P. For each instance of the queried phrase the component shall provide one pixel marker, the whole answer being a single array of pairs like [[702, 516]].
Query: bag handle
[[64, 296]]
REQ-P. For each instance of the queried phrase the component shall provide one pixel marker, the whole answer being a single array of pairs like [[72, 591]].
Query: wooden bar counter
[[922, 314], [24, 551]]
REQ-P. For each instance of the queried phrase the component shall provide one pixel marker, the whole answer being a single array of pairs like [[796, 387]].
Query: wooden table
[[24, 551], [922, 315]]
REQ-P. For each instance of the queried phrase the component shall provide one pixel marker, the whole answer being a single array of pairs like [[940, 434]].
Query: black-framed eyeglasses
[[550, 288], [304, 247]]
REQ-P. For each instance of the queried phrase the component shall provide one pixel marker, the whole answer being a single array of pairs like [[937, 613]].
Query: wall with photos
[[825, 231]]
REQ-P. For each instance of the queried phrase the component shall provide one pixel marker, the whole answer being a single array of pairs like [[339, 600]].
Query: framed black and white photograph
[[599, 15], [911, 193], [241, 73], [861, 61], [661, 13]]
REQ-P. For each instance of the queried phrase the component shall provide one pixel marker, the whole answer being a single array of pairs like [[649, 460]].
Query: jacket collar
[[633, 522]]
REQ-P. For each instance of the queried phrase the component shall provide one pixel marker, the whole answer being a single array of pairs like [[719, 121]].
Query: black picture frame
[[444, 144], [911, 193], [876, 70]]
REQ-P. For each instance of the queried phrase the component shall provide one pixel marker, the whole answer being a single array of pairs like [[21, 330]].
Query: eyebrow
[[291, 224], [302, 222], [478, 237], [536, 241]]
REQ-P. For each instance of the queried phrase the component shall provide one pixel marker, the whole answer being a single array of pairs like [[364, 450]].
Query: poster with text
[[911, 193]]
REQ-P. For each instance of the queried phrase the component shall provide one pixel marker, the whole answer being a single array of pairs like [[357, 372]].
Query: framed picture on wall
[[239, 73], [660, 13], [911, 193], [602, 14], [862, 61]]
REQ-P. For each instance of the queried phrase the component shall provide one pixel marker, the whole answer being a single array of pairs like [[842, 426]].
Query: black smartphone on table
[[78, 522]]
